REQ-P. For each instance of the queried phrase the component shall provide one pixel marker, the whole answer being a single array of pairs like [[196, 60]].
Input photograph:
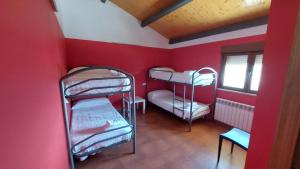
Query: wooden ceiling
[[196, 16]]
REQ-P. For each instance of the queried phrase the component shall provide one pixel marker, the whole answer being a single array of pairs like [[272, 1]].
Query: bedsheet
[[164, 99], [90, 116]]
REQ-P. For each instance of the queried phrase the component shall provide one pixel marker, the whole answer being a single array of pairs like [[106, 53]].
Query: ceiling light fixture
[[250, 3]]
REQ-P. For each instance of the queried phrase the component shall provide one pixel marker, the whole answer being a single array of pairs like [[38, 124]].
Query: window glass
[[235, 71], [256, 73]]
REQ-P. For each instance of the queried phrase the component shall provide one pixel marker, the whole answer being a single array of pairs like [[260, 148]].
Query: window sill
[[238, 92]]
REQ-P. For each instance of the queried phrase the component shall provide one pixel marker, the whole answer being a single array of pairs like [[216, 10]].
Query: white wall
[[58, 13], [94, 20]]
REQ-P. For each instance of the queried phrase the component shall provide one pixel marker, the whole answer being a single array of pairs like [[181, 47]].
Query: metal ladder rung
[[178, 108], [179, 99]]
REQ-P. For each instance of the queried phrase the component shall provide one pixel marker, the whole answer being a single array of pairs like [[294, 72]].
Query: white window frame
[[250, 65]]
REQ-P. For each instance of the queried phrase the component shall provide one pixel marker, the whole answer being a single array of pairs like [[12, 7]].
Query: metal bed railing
[[99, 92], [192, 85], [80, 152]]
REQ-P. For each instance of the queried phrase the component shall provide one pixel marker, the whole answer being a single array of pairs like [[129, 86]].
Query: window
[[242, 71]]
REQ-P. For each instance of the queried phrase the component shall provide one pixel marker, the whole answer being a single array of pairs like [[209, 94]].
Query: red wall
[[133, 59], [277, 52], [137, 60], [32, 61], [209, 54]]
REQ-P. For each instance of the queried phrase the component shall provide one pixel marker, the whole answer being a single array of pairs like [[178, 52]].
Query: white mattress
[[164, 99], [182, 77], [95, 73], [96, 115]]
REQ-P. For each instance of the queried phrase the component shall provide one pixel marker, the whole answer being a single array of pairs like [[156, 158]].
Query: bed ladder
[[180, 100]]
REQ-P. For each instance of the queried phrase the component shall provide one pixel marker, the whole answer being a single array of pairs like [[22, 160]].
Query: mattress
[[95, 73], [182, 77], [90, 116], [164, 99]]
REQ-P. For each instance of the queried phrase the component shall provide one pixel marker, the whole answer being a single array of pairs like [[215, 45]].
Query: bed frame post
[[123, 105], [133, 114], [66, 119], [191, 108], [215, 93], [130, 102], [183, 103], [148, 78], [174, 96], [192, 100]]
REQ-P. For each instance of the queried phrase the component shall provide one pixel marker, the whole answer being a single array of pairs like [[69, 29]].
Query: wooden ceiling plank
[[228, 28], [196, 16], [164, 12]]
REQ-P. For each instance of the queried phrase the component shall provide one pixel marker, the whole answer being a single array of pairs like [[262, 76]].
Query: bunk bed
[[92, 123], [187, 109]]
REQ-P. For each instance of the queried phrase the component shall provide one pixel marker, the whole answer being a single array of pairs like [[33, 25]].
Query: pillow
[[75, 69], [164, 68], [86, 103], [190, 72], [159, 93]]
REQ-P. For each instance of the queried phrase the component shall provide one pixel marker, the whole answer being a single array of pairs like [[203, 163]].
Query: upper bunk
[[202, 77], [96, 81]]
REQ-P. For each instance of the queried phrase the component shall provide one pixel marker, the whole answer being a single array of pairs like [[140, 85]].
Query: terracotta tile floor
[[164, 143]]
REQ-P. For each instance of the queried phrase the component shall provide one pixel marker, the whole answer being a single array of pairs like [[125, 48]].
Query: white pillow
[[75, 69], [164, 68], [190, 72], [86, 103], [159, 93]]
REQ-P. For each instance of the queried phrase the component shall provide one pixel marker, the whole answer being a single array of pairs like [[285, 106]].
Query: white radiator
[[234, 114]]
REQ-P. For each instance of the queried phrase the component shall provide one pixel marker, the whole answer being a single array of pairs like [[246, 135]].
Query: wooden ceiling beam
[[164, 12], [228, 28]]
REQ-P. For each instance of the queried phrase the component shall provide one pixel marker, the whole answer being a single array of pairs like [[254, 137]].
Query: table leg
[[220, 148], [232, 144], [144, 107]]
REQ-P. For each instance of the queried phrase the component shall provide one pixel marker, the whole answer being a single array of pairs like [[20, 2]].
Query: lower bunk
[[164, 99], [96, 125]]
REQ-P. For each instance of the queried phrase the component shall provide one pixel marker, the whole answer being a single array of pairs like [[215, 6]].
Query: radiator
[[234, 114]]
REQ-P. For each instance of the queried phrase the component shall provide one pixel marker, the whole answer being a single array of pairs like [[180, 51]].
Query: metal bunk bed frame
[[192, 85], [131, 114]]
